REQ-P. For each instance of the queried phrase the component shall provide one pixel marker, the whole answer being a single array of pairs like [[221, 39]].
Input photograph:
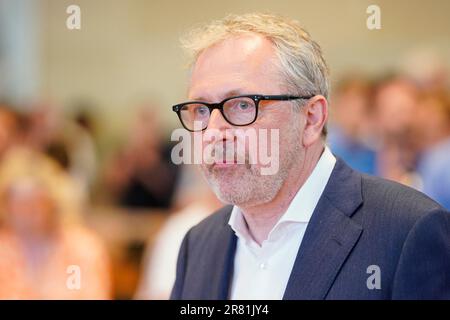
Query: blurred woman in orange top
[[44, 252]]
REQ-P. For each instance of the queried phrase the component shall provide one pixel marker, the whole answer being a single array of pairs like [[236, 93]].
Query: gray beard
[[246, 186]]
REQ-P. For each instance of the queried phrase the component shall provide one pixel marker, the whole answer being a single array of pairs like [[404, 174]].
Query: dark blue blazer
[[360, 221]]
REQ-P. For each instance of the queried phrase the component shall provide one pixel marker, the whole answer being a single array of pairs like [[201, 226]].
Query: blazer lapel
[[222, 264], [228, 267], [329, 238]]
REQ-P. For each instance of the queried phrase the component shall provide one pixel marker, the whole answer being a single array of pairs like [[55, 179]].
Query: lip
[[224, 164]]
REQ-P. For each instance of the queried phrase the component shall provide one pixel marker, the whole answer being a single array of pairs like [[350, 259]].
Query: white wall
[[19, 50], [128, 50]]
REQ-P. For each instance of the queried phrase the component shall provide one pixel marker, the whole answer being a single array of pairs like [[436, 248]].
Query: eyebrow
[[228, 94]]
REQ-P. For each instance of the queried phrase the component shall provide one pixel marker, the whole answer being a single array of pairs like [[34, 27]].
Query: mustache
[[225, 152]]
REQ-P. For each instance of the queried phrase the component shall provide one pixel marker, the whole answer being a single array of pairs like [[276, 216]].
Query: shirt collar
[[302, 206]]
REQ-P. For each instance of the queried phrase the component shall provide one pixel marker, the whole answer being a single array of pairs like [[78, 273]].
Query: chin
[[237, 197], [227, 193]]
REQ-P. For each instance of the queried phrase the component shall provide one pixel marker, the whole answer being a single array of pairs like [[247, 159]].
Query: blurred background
[[87, 188]]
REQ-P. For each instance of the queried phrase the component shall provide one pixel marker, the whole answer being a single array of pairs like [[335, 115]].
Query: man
[[314, 229], [434, 146]]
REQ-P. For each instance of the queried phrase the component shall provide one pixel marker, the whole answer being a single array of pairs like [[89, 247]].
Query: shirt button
[[263, 266]]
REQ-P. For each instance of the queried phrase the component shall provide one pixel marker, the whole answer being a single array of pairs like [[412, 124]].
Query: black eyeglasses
[[238, 111]]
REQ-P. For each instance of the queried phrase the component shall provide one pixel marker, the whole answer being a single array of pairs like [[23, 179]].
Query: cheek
[[294, 125], [290, 139]]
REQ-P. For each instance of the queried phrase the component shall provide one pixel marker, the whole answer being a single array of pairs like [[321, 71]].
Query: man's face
[[395, 104], [239, 66], [30, 208]]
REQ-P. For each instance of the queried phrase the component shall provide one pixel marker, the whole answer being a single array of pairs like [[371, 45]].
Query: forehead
[[245, 63]]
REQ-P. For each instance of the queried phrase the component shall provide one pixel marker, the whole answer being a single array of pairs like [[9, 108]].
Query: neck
[[263, 217]]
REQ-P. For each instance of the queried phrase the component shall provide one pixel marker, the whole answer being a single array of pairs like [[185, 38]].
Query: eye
[[243, 105], [201, 111]]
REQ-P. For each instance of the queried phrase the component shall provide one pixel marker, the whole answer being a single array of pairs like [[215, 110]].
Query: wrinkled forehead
[[242, 63]]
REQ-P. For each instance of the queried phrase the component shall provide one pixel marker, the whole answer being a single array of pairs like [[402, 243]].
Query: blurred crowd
[[44, 182], [52, 175], [396, 127]]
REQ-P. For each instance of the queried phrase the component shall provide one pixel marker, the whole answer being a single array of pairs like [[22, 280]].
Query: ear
[[316, 115]]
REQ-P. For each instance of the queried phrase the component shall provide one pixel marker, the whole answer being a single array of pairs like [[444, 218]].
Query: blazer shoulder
[[396, 201]]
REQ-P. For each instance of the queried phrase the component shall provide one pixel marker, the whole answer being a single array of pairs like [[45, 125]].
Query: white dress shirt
[[262, 272]]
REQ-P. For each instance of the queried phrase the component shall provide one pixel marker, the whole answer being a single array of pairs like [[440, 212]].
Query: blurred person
[[42, 131], [314, 228], [66, 140], [82, 148], [141, 174], [45, 252], [426, 68], [433, 138], [351, 130], [9, 128], [196, 202], [44, 123], [395, 104]]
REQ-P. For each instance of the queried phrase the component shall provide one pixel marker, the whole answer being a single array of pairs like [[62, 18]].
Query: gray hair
[[301, 61]]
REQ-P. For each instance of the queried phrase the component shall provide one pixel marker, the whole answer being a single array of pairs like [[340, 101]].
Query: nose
[[218, 128], [217, 121]]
